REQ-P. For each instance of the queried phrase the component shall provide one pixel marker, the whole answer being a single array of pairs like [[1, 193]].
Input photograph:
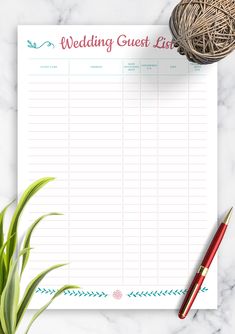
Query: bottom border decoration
[[161, 293], [132, 294]]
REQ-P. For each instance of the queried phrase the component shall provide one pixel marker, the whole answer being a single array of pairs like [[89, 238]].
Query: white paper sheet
[[128, 128]]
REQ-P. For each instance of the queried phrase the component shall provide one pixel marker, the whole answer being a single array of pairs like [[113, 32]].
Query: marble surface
[[14, 12]]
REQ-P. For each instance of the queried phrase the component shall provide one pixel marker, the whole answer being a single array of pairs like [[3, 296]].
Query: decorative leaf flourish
[[160, 293], [33, 45], [74, 293]]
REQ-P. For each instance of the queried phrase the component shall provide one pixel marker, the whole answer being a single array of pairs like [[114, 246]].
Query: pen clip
[[192, 293], [190, 296]]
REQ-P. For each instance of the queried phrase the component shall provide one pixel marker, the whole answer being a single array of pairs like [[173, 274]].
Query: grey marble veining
[[12, 13]]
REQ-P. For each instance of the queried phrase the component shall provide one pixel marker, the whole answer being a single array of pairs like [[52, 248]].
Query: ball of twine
[[204, 30]]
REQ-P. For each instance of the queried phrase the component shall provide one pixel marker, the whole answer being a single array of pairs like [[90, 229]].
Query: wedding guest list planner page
[[127, 127]]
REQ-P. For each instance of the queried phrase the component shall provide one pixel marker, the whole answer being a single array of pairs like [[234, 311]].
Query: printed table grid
[[139, 176]]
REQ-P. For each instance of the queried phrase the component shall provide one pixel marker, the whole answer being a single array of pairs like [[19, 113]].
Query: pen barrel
[[214, 245], [191, 295]]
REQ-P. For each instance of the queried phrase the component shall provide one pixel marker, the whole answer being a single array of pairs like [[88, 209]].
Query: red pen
[[203, 269]]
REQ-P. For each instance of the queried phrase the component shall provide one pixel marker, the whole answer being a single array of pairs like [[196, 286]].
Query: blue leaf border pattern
[[33, 45], [132, 294], [74, 293], [161, 293]]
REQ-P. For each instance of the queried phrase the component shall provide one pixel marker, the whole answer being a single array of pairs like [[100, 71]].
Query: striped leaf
[[10, 298], [1, 330], [58, 293], [2, 215], [29, 292], [27, 195], [27, 239], [3, 276]]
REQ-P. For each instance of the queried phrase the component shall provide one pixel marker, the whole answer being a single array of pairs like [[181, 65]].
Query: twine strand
[[204, 30]]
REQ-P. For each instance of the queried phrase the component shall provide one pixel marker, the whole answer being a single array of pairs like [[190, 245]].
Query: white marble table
[[14, 12]]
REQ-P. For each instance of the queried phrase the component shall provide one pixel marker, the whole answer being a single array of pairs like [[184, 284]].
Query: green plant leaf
[[1, 330], [29, 192], [10, 297], [3, 275], [29, 291], [59, 292], [28, 237], [2, 215]]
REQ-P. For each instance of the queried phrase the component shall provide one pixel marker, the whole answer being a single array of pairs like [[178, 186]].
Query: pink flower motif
[[117, 294]]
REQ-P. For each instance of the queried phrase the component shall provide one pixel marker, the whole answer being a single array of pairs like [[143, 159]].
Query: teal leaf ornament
[[33, 45]]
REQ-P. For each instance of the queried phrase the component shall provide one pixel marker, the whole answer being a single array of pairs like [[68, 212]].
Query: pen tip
[[228, 216]]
